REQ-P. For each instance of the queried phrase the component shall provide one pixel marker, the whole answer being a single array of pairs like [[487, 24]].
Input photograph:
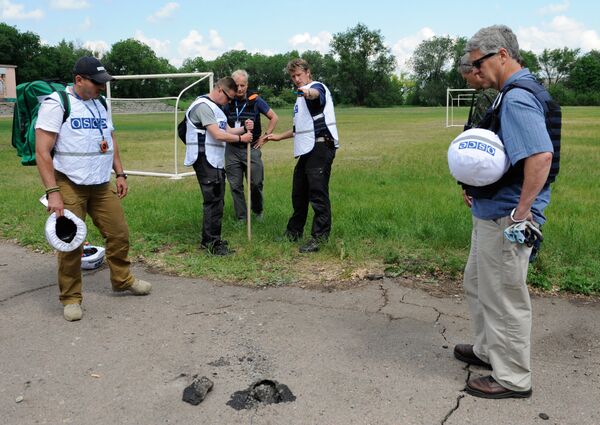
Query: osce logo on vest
[[88, 123]]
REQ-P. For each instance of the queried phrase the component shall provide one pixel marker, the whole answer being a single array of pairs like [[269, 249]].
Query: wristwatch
[[122, 175]]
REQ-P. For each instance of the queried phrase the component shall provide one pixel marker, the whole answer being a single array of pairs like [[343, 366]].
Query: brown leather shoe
[[487, 387], [464, 353]]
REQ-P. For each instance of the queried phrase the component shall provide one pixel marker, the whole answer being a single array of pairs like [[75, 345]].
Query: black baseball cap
[[90, 67]]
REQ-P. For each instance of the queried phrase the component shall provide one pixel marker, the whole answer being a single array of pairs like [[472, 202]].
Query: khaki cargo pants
[[104, 207], [496, 291]]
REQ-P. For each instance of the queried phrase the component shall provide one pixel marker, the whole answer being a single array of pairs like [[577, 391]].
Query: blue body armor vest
[[492, 121]]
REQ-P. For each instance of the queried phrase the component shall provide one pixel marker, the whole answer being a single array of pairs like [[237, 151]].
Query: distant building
[[8, 83]]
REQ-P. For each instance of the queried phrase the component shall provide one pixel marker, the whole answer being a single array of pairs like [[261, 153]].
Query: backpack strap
[[102, 100], [64, 97], [469, 123]]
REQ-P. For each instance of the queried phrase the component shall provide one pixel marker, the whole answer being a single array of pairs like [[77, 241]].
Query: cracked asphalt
[[379, 353]]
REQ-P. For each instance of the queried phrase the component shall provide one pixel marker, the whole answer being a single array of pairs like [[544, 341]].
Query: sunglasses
[[477, 63], [229, 98]]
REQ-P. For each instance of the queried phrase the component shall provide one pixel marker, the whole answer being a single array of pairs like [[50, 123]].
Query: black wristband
[[122, 175]]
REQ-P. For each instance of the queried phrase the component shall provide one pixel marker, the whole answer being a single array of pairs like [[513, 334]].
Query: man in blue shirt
[[246, 106], [496, 271]]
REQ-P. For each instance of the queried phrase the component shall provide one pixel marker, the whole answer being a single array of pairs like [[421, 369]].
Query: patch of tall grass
[[395, 205]]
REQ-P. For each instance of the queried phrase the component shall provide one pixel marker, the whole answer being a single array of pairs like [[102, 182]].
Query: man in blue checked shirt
[[496, 271]]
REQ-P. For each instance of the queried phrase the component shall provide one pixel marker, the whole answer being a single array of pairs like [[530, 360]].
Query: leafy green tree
[[556, 64], [323, 68], [229, 61], [365, 65], [17, 48], [585, 74], [132, 57], [530, 61], [57, 61], [454, 79], [197, 64], [268, 73], [431, 62]]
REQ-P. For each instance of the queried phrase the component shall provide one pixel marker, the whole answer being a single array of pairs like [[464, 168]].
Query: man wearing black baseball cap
[[75, 158], [89, 67]]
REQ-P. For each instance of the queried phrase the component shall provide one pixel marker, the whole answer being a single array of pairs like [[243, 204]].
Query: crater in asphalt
[[261, 392]]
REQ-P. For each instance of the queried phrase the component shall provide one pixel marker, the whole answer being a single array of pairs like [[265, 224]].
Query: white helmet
[[65, 233], [92, 257], [476, 157]]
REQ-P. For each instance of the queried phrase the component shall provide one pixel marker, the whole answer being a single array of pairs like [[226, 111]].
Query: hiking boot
[[311, 246], [220, 247], [72, 312], [140, 287]]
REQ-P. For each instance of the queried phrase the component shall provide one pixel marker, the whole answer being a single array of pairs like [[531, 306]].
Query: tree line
[[360, 69]]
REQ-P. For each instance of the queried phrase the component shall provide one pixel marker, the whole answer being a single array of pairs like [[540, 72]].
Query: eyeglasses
[[229, 98], [477, 63]]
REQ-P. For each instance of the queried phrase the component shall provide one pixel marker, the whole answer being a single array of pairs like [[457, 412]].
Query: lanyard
[[238, 113], [91, 112]]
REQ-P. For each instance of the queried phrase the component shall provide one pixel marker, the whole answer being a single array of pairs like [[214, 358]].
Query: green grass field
[[395, 205]]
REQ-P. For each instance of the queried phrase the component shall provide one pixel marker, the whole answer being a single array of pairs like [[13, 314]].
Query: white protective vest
[[77, 150], [214, 149], [304, 125]]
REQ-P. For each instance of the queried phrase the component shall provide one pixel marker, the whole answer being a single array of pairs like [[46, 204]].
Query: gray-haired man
[[496, 271]]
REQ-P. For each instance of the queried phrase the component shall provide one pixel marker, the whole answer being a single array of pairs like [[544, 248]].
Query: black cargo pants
[[212, 186], [311, 185]]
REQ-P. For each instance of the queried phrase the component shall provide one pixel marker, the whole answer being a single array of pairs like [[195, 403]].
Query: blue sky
[[180, 29]]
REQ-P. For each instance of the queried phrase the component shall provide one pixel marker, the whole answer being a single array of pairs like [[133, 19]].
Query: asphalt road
[[379, 353]]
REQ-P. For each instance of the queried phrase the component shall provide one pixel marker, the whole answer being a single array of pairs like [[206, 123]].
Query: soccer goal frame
[[455, 97], [200, 76]]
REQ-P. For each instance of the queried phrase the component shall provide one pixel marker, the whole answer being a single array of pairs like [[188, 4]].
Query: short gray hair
[[492, 39], [240, 73], [465, 66]]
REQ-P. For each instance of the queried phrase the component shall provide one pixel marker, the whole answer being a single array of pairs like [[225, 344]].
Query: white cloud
[[194, 45], [404, 48], [69, 4], [97, 46], [86, 24], [561, 32], [554, 9], [9, 10], [215, 39], [161, 47], [164, 12], [305, 41]]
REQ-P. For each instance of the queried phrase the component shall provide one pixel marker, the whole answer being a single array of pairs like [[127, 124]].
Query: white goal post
[[457, 98], [200, 76]]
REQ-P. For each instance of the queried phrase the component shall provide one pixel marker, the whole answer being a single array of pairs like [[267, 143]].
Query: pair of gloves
[[523, 232]]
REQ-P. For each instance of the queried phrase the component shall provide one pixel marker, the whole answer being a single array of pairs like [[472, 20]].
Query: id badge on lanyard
[[238, 122]]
